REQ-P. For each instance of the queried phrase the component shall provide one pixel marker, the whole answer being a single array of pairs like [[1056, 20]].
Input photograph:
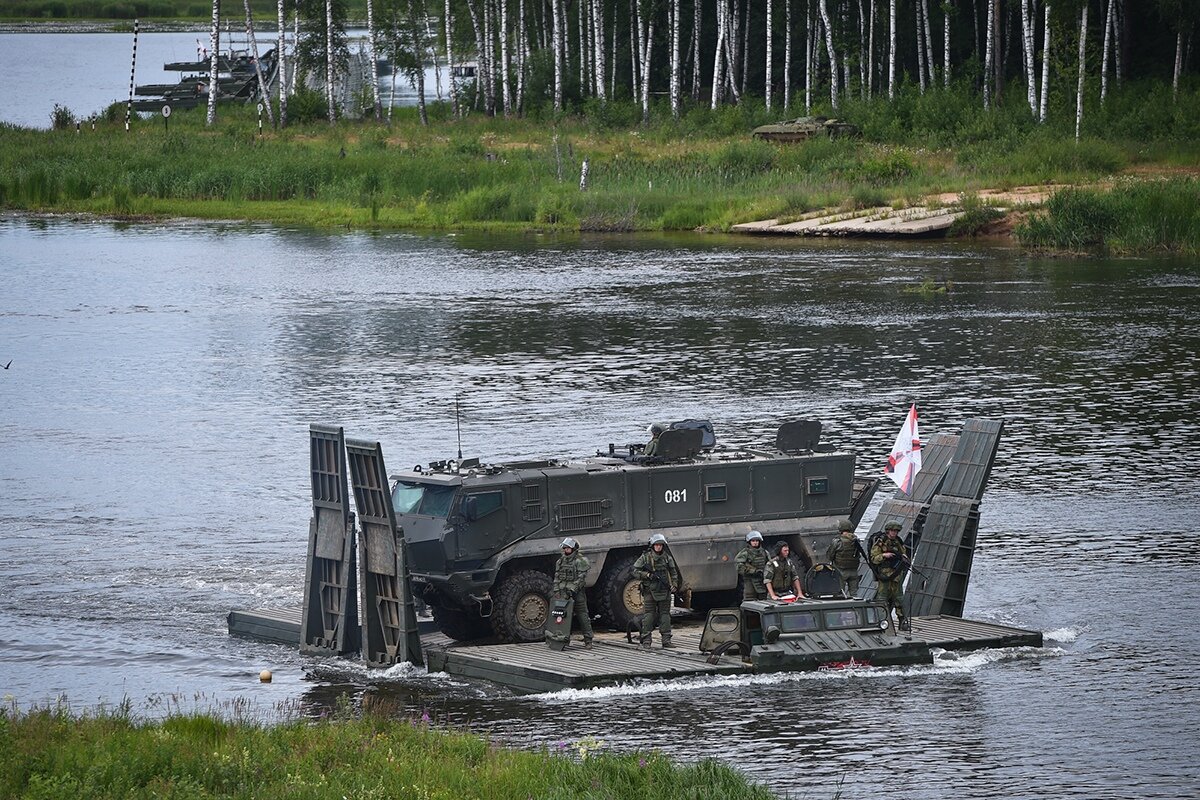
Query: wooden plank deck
[[882, 221]]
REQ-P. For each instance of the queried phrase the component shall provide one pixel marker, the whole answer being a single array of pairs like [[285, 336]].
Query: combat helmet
[[892, 525], [845, 525], [658, 538], [752, 535], [570, 543]]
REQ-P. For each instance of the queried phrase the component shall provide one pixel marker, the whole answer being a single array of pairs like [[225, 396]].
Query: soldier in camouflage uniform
[[845, 554], [570, 575], [652, 446], [660, 579], [780, 574], [750, 563], [889, 557]]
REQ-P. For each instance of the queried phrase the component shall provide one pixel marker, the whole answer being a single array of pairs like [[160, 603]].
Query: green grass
[[49, 753], [699, 172]]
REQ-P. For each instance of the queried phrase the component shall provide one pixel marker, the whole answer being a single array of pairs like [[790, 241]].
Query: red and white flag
[[905, 461]]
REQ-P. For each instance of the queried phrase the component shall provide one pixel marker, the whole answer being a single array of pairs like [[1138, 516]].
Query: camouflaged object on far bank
[[801, 128]]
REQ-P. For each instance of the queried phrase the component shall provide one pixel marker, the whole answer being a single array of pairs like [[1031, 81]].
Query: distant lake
[[86, 72]]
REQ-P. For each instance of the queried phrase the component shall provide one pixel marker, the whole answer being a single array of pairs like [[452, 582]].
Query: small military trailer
[[482, 539], [810, 634]]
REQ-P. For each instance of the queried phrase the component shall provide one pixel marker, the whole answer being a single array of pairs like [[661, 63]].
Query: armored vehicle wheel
[[521, 606], [462, 626], [620, 595]]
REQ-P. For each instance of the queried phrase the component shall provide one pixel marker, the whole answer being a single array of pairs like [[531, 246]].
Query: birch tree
[[448, 30], [989, 54], [374, 71], [718, 57], [329, 61], [1045, 65], [929, 59], [556, 38], [1108, 24], [833, 67], [787, 54], [675, 77], [1027, 37], [947, 10], [281, 60], [767, 81], [213, 59], [1082, 66], [892, 49]]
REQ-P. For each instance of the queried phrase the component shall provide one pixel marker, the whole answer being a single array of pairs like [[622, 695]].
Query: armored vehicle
[[482, 539], [810, 634], [797, 130]]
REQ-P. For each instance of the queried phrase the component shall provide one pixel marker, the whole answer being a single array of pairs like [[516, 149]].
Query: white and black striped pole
[[132, 68]]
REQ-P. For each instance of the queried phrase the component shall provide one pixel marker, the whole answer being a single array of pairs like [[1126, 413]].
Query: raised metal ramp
[[971, 466], [956, 633], [329, 620], [943, 563]]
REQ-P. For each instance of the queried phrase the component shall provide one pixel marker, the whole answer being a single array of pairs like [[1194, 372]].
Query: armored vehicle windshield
[[427, 499]]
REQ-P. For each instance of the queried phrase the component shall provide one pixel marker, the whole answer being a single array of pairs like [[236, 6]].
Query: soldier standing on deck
[[660, 579], [845, 553], [570, 575], [780, 574], [750, 563], [889, 557]]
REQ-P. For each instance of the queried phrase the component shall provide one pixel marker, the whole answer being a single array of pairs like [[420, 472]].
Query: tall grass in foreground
[[49, 753], [1134, 217]]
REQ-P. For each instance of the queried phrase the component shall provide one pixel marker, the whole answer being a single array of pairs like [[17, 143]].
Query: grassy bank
[[52, 754], [702, 171]]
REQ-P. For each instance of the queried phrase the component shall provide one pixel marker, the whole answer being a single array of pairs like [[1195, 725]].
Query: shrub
[[62, 118]]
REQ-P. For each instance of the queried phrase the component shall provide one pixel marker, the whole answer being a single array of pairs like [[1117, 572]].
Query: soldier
[[780, 574], [652, 446], [660, 578], [570, 575], [845, 553], [889, 558], [750, 563]]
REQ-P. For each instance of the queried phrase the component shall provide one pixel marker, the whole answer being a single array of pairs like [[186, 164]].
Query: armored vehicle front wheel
[[521, 606], [620, 594], [460, 625]]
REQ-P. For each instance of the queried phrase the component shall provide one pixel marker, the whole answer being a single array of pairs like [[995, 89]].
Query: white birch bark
[[731, 53], [648, 41], [787, 54], [696, 29], [745, 44], [921, 55], [718, 67], [808, 57], [834, 92], [767, 82], [598, 28], [989, 55], [522, 56], [1118, 23], [1178, 67], [418, 73], [1082, 67], [262, 84], [946, 43], [437, 65], [929, 57], [281, 60], [505, 61], [1027, 37], [214, 42], [375, 102], [871, 52], [1108, 23], [891, 49], [556, 39], [676, 107], [635, 72], [1045, 66], [583, 51], [295, 47], [329, 61], [448, 29]]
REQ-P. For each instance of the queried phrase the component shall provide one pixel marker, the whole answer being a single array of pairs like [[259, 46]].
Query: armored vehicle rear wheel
[[462, 626], [521, 606], [620, 595]]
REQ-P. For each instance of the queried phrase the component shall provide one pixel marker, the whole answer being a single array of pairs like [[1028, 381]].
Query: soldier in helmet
[[652, 446], [889, 557], [845, 553], [780, 574], [660, 579], [750, 563], [570, 575]]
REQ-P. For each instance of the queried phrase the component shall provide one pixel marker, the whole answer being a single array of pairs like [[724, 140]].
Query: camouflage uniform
[[887, 555], [781, 573], [660, 576], [750, 563], [843, 553], [570, 575]]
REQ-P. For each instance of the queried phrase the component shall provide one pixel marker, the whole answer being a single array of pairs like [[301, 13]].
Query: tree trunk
[[598, 24], [718, 81], [329, 61], [675, 77], [522, 57], [419, 72], [1027, 38], [787, 54], [282, 64], [1045, 66], [921, 54], [929, 57], [1118, 43], [505, 60], [370, 54], [648, 43], [891, 49], [862, 47], [262, 84], [214, 42], [696, 29], [871, 52], [1108, 26], [1178, 66], [1082, 67], [808, 56], [946, 44], [556, 39], [990, 54], [448, 29], [834, 93], [767, 70]]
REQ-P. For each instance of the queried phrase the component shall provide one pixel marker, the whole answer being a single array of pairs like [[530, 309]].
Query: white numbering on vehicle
[[675, 496]]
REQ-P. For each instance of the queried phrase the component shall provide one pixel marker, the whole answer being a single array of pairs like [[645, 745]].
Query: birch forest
[[508, 57]]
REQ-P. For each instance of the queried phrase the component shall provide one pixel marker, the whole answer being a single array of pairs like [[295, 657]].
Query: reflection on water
[[153, 470]]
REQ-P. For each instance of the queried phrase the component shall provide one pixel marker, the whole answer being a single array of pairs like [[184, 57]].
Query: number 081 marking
[[675, 496]]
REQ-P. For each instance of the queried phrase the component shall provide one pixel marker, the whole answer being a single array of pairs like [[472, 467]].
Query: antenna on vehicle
[[458, 424]]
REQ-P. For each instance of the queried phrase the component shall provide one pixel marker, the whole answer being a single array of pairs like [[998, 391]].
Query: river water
[[153, 472]]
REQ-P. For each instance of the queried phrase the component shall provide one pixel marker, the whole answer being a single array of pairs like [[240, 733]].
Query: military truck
[[482, 539]]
